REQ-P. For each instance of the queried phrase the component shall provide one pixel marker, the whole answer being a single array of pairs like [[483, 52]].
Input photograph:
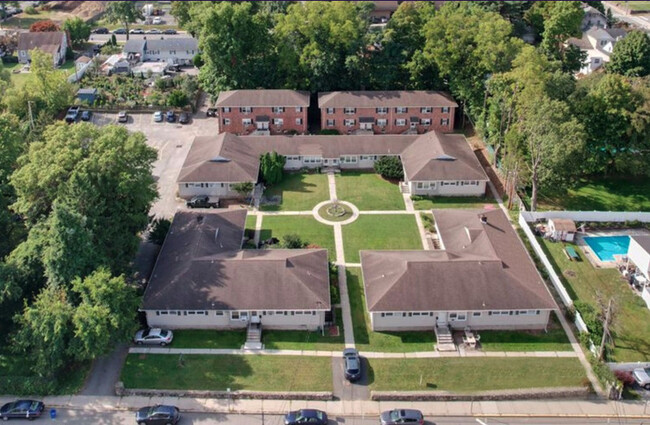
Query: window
[[246, 122], [226, 109], [164, 313], [349, 159], [445, 109], [423, 185], [218, 313], [349, 123], [172, 52], [426, 110], [400, 122], [425, 121], [298, 108], [382, 110], [298, 121], [234, 315], [401, 110], [278, 122], [381, 122], [246, 110], [444, 121], [278, 109], [293, 158], [457, 317], [368, 157], [226, 121], [349, 111], [596, 60], [330, 111], [330, 123], [386, 314], [476, 314]]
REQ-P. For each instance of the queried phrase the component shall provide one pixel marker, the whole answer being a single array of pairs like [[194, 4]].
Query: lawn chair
[[571, 253]]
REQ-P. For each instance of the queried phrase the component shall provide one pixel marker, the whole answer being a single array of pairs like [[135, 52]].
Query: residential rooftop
[[262, 98], [374, 99]]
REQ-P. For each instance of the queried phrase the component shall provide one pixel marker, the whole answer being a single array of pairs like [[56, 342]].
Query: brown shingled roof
[[201, 267], [483, 267], [263, 98], [374, 99], [49, 42]]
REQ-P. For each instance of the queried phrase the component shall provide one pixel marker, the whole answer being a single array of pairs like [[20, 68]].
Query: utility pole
[[601, 351], [31, 116]]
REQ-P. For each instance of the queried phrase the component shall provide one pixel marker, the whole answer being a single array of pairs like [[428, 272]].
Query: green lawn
[[606, 194], [366, 339], [474, 374], [554, 339], [21, 79], [200, 338], [631, 325], [23, 20], [299, 192], [637, 5], [305, 340], [310, 231], [393, 232], [459, 202], [218, 373], [368, 191]]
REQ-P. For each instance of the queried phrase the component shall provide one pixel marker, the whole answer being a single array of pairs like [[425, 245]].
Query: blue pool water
[[606, 247]]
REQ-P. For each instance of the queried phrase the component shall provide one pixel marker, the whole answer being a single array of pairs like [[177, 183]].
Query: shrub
[[592, 319], [390, 167], [292, 241], [243, 189], [44, 26], [110, 49], [335, 294], [329, 132], [197, 60], [31, 10], [272, 167], [159, 228], [177, 98], [625, 377]]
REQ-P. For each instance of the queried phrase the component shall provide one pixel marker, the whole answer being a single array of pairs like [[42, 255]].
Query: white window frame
[[458, 316], [445, 109], [330, 111], [245, 109], [349, 159], [226, 121], [444, 121], [400, 122], [401, 110], [278, 109], [331, 122], [234, 315], [349, 111], [425, 121], [382, 122], [298, 121], [426, 110], [298, 108], [278, 122], [382, 110], [246, 122], [349, 122], [226, 109]]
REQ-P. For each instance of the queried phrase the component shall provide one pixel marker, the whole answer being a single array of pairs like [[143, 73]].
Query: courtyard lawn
[[299, 192], [199, 338], [466, 375], [459, 202], [631, 324], [606, 194], [392, 232], [220, 372], [368, 191], [310, 231], [305, 340], [554, 339], [366, 339]]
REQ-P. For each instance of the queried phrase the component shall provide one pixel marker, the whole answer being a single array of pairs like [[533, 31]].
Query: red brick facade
[[440, 118], [232, 119]]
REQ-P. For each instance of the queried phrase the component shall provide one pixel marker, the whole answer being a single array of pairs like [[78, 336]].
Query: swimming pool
[[606, 247]]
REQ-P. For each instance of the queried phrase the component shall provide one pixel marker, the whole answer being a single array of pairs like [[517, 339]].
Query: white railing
[[587, 216]]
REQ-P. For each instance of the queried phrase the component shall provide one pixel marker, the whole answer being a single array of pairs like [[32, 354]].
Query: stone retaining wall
[[529, 394], [234, 395]]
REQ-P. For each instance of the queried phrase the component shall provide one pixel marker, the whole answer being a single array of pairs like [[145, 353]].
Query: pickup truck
[[203, 201], [73, 114]]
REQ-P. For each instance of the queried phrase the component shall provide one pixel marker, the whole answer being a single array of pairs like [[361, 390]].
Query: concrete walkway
[[361, 408], [418, 220], [258, 229]]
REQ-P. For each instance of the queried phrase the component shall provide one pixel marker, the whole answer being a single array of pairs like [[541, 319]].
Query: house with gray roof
[[482, 278], [435, 163], [597, 44], [53, 43], [203, 279], [173, 50]]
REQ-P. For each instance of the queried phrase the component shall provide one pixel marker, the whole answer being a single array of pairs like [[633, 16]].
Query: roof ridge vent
[[219, 158], [445, 157]]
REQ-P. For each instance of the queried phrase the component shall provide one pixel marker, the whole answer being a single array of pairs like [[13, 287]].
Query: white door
[[326, 162], [413, 124], [335, 162], [366, 126], [441, 318], [264, 125], [255, 318]]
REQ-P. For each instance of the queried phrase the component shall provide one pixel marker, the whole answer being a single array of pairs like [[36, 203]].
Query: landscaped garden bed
[[376, 232], [368, 191]]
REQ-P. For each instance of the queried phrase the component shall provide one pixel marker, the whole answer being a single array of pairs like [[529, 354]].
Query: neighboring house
[[434, 163], [483, 278], [176, 50], [54, 43], [263, 111], [87, 95], [598, 44], [82, 62], [562, 229], [203, 279], [386, 112], [383, 10], [150, 69], [116, 64], [592, 18], [639, 253]]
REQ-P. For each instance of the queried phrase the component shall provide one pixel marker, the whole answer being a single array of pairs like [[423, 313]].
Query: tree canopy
[[123, 12], [78, 29], [631, 55]]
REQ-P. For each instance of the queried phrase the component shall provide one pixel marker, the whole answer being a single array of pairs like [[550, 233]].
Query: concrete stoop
[[444, 339]]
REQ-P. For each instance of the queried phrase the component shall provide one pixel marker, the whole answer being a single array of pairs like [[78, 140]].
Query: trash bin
[[52, 413]]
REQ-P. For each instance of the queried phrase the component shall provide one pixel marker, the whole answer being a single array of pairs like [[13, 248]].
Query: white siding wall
[[640, 257], [214, 321], [221, 190], [436, 188], [180, 56], [399, 322]]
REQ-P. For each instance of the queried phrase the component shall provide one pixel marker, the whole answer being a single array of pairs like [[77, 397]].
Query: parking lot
[[172, 141]]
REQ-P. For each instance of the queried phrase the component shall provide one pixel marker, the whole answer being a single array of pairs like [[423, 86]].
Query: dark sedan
[[170, 116], [22, 409], [306, 416], [100, 30], [352, 363], [169, 31], [158, 415], [119, 31], [184, 118]]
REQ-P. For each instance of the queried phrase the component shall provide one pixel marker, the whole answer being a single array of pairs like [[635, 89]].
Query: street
[[84, 417]]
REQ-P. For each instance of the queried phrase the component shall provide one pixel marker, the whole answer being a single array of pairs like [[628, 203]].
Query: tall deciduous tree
[[123, 12], [272, 166], [78, 29], [631, 56], [11, 146]]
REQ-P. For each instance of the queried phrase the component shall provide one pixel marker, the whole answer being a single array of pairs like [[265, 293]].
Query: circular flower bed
[[335, 211]]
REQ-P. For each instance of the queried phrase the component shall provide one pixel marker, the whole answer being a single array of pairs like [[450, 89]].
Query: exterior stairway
[[444, 339], [253, 337], [404, 188]]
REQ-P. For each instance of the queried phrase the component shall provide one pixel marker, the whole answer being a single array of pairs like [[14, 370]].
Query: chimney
[[483, 219]]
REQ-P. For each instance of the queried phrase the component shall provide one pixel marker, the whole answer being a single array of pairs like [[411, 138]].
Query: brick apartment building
[[386, 112], [263, 112]]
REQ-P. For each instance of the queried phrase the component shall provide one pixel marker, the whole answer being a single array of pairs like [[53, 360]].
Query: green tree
[[272, 167], [631, 56], [11, 146], [177, 98], [123, 12], [292, 241], [158, 230], [389, 167], [78, 29]]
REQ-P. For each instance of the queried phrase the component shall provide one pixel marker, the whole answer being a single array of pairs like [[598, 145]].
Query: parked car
[[153, 31], [171, 116], [153, 336], [86, 115], [136, 31], [642, 377], [184, 118], [158, 414], [73, 114], [119, 31], [401, 416], [203, 201], [212, 112], [22, 409], [100, 30], [352, 364], [306, 416], [156, 21], [158, 116], [169, 31], [122, 116]]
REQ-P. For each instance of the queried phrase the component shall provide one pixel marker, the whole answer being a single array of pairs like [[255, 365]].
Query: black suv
[[352, 364], [202, 201], [158, 414], [100, 30], [211, 112]]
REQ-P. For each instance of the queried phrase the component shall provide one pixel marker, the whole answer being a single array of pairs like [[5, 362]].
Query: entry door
[[413, 124], [326, 162], [441, 318], [263, 125], [335, 162], [366, 126], [255, 318]]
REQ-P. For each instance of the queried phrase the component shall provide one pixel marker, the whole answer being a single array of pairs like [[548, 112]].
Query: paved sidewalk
[[258, 229], [358, 408], [331, 181]]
